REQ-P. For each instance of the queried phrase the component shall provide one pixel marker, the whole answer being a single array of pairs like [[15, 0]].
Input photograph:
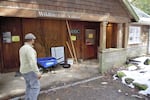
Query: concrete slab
[[11, 86]]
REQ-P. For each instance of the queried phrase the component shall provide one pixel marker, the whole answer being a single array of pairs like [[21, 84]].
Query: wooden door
[[85, 38], [90, 44], [91, 40], [11, 41]]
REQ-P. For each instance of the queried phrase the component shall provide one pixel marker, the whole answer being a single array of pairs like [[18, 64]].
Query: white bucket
[[70, 61]]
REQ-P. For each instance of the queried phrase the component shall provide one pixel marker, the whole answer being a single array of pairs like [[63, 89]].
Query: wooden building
[[99, 29]]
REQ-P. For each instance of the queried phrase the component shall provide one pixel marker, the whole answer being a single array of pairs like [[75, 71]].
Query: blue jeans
[[32, 86]]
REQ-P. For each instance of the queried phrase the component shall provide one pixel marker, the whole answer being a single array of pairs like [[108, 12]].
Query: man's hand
[[39, 75]]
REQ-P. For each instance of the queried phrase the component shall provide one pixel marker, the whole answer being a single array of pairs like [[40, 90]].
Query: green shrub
[[147, 62], [140, 86], [120, 74]]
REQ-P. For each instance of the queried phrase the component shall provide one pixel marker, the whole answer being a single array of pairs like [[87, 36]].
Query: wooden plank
[[74, 52], [70, 51]]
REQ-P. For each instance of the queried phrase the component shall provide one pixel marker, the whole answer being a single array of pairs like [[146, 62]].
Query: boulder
[[129, 80]]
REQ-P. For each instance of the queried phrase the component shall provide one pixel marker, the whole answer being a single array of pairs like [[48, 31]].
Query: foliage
[[120, 74], [147, 62], [140, 86], [142, 4]]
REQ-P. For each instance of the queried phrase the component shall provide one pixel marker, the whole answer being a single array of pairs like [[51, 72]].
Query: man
[[29, 68]]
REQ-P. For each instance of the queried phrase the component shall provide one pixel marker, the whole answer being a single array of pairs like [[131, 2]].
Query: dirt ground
[[100, 89]]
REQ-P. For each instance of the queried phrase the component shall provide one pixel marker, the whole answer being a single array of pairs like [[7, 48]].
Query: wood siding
[[113, 7], [79, 37], [52, 33], [49, 33], [10, 51]]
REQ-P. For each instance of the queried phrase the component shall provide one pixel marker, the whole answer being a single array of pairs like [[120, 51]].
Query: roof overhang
[[140, 17], [11, 11], [131, 10]]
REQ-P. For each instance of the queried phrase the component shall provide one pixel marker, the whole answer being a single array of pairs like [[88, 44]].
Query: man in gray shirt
[[29, 68]]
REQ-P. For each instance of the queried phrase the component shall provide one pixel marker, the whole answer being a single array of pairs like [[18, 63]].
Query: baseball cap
[[30, 36]]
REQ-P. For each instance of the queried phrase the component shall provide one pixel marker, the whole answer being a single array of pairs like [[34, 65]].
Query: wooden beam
[[69, 49], [73, 48]]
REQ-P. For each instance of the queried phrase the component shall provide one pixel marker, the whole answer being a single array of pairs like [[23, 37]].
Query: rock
[[126, 94], [120, 74], [119, 91], [140, 86], [142, 71], [131, 68], [129, 80], [104, 83], [147, 62], [57, 99]]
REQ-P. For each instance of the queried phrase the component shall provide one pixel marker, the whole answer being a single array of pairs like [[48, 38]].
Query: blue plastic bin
[[47, 62]]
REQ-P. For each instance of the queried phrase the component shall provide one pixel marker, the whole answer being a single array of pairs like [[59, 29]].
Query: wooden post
[[70, 50], [73, 48], [119, 35], [103, 35], [126, 35]]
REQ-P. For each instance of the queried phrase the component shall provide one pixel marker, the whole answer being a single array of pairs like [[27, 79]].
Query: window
[[134, 35]]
